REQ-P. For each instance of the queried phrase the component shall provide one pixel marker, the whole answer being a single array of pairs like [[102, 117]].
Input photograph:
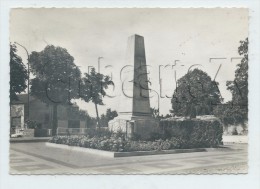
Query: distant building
[[41, 114]]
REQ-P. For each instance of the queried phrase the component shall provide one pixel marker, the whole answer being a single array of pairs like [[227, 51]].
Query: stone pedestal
[[138, 126], [134, 113]]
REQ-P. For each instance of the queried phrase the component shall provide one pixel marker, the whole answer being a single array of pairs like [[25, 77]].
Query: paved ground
[[235, 139], [36, 158]]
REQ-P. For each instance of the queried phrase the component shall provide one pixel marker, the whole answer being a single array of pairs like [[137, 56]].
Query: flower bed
[[113, 143], [174, 134]]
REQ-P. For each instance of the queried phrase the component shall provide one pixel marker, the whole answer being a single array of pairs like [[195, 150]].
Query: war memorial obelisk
[[134, 113]]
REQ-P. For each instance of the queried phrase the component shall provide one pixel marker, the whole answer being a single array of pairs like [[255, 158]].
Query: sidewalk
[[36, 158]]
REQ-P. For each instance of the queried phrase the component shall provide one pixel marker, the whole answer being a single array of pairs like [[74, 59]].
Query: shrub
[[101, 132], [192, 133], [31, 124], [136, 137]]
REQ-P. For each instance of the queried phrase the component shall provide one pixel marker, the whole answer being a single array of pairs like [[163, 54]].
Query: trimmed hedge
[[199, 132]]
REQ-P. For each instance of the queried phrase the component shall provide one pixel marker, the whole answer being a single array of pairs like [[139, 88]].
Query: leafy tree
[[18, 74], [105, 118], [196, 94], [103, 121], [239, 87], [110, 115], [228, 113], [93, 88], [56, 78], [236, 110]]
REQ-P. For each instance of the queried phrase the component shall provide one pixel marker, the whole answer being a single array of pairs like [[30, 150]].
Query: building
[[40, 114]]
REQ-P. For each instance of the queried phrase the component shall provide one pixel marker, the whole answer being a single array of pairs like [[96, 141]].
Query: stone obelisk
[[134, 113]]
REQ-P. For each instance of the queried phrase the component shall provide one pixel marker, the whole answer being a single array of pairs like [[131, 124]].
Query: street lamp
[[99, 63], [28, 71], [157, 101]]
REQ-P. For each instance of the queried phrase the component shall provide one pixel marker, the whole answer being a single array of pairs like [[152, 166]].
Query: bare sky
[[192, 36]]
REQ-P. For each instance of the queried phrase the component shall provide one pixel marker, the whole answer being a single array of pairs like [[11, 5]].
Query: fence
[[72, 131]]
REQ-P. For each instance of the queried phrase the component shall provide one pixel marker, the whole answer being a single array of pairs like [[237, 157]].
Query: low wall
[[28, 133], [42, 132], [122, 154]]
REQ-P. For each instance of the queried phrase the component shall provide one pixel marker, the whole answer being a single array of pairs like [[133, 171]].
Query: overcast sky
[[192, 36]]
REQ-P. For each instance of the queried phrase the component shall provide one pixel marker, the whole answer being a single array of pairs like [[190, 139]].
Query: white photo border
[[250, 180]]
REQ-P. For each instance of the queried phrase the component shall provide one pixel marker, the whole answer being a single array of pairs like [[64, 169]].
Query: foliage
[[195, 95], [56, 78], [113, 143], [239, 87], [31, 124], [18, 74], [99, 132], [192, 133], [110, 115], [229, 114], [93, 88], [236, 110], [155, 114], [118, 144], [105, 118], [177, 134]]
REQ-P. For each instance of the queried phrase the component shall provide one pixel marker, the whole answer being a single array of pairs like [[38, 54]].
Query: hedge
[[201, 132]]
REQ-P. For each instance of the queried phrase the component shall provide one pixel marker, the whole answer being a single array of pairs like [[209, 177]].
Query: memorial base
[[134, 126]]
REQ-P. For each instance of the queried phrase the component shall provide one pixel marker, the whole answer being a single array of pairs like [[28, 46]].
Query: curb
[[24, 140], [122, 154]]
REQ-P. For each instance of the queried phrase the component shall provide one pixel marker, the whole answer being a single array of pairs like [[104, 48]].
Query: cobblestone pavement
[[36, 158]]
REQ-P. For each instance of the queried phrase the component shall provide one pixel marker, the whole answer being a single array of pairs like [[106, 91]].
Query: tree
[[56, 78], [239, 86], [196, 94], [110, 115], [236, 110], [93, 88], [105, 118], [103, 122], [228, 113], [18, 74]]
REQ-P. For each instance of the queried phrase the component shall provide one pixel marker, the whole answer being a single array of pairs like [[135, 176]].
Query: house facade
[[40, 114]]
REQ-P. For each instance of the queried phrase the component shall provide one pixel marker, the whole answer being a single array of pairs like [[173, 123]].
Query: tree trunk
[[193, 112], [54, 119], [97, 116]]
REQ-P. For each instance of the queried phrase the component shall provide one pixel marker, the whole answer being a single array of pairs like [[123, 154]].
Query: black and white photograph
[[121, 91]]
